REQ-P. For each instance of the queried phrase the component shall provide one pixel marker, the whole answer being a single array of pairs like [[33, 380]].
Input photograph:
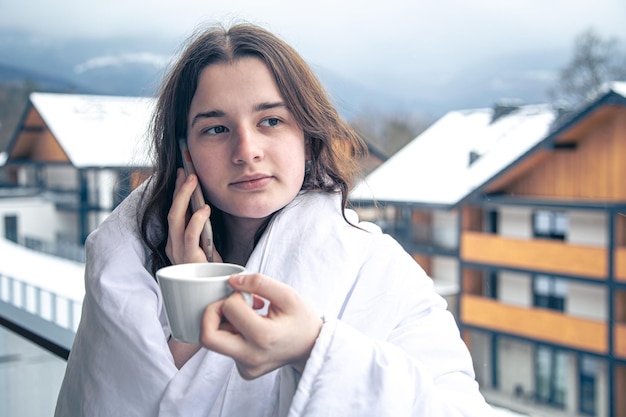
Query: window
[[587, 389], [10, 228], [490, 284], [549, 292], [550, 224], [550, 376]]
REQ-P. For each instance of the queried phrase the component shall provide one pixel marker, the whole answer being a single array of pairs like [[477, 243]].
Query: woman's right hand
[[183, 238]]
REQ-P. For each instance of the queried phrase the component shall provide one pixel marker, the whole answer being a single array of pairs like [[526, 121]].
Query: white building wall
[[35, 217], [67, 226], [515, 288], [106, 182], [445, 269], [64, 177], [445, 228], [586, 301], [587, 227], [515, 222]]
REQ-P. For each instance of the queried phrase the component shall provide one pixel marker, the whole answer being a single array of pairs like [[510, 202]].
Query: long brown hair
[[334, 147]]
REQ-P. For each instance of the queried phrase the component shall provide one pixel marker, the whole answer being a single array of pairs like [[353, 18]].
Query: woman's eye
[[270, 122], [216, 130]]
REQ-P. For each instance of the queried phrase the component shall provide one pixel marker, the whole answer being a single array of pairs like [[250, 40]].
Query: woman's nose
[[247, 146]]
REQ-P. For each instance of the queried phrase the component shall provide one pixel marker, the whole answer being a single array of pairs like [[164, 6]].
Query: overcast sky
[[402, 40]]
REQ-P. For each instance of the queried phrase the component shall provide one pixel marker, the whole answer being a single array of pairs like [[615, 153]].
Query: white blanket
[[389, 347]]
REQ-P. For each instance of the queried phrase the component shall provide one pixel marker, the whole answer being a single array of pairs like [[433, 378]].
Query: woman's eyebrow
[[220, 113], [206, 115], [269, 106]]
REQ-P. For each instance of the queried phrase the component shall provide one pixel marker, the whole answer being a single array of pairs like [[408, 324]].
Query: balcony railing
[[535, 323], [415, 236], [535, 254], [65, 250], [42, 316], [40, 296]]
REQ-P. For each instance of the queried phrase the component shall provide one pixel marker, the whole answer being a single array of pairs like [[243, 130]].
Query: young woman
[[346, 323]]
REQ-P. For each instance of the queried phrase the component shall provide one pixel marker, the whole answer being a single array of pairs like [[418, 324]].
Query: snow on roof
[[435, 167], [36, 269], [98, 130], [619, 87]]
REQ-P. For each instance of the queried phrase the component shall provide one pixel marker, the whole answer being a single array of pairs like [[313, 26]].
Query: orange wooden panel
[[472, 218], [536, 254], [619, 338], [594, 170], [619, 269], [535, 323]]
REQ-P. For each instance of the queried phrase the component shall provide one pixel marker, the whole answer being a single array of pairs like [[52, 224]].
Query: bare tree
[[595, 61], [389, 132]]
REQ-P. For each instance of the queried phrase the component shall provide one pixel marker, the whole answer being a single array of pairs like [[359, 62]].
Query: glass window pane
[[560, 287], [561, 222], [543, 220], [560, 378], [543, 367], [542, 285]]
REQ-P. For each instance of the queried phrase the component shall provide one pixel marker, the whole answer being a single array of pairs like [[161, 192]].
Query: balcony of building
[[542, 255], [535, 323], [40, 306], [419, 231]]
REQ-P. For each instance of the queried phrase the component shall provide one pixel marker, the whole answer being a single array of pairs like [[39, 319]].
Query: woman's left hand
[[259, 344]]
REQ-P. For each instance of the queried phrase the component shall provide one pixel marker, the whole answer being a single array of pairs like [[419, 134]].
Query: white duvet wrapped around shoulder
[[389, 347]]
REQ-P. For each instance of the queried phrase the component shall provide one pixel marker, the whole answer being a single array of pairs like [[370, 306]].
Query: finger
[[244, 318], [217, 336], [280, 295], [177, 218], [171, 244], [182, 196], [193, 251]]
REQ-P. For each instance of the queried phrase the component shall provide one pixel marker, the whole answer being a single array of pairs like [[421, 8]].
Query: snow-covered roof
[[98, 130], [619, 88], [435, 167]]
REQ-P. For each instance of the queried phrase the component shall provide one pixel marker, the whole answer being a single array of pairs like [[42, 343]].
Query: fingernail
[[240, 278]]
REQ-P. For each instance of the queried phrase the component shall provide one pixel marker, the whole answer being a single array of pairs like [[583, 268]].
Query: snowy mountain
[[134, 66]]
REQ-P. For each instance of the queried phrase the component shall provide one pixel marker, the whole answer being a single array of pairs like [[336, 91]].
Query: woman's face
[[246, 146]]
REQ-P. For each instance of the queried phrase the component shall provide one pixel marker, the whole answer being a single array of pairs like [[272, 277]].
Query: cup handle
[[247, 298]]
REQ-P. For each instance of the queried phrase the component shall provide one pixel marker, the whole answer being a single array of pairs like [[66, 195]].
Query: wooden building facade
[[537, 247]]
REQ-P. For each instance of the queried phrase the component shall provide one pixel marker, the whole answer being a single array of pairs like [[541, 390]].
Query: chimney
[[503, 107]]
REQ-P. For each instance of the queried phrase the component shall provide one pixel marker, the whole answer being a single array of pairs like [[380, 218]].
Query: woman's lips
[[252, 183]]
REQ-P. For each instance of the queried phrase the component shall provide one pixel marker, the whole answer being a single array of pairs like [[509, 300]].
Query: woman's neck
[[241, 236]]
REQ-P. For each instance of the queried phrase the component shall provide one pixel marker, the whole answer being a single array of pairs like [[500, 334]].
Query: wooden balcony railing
[[540, 255], [535, 323]]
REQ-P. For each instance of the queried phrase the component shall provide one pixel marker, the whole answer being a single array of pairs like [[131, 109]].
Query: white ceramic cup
[[189, 288]]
